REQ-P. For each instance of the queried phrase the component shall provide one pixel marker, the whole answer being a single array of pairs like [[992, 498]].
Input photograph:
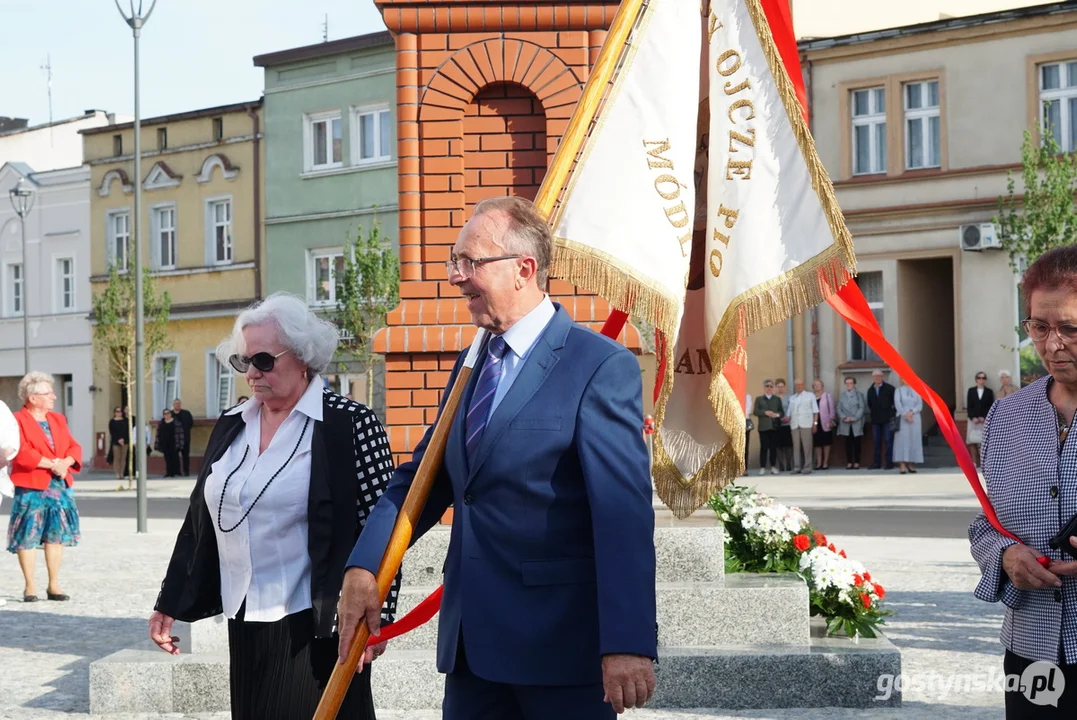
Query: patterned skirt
[[43, 516]]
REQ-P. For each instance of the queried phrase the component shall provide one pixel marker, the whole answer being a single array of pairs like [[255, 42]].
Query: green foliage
[[367, 289], [1045, 217], [114, 328]]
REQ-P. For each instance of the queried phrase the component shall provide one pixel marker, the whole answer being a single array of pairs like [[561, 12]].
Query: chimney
[[8, 124]]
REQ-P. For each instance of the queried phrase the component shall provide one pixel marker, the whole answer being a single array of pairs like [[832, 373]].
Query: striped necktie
[[483, 397]]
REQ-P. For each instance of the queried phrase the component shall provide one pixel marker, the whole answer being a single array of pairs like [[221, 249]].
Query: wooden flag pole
[[571, 142]]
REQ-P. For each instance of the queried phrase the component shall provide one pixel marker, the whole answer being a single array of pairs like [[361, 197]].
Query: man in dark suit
[[549, 602], [882, 410], [184, 418]]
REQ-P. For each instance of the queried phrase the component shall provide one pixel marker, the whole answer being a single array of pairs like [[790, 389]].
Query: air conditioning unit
[[979, 236]]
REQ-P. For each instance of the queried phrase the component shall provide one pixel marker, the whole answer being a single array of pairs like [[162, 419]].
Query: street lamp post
[[135, 21], [22, 200]]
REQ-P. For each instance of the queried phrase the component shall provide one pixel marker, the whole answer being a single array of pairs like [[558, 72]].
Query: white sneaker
[[762, 471], [774, 471]]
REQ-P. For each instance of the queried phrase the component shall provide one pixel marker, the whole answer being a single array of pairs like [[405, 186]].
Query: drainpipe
[[252, 112], [790, 352]]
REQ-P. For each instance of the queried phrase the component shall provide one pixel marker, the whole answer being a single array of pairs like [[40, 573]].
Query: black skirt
[[785, 437], [278, 671]]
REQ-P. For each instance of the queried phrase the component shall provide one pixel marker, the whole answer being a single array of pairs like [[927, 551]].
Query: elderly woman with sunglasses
[[287, 482], [1030, 467]]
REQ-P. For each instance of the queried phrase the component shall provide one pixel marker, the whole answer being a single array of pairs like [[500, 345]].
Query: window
[[69, 396], [15, 292], [164, 237], [119, 237], [166, 382], [327, 266], [871, 284], [219, 222], [162, 138], [1058, 103], [869, 131], [372, 135], [65, 283], [117, 145], [220, 386], [218, 128], [324, 141], [922, 128]]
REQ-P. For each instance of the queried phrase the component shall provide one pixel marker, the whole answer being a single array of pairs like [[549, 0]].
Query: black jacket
[[977, 407], [351, 464], [881, 406], [184, 418]]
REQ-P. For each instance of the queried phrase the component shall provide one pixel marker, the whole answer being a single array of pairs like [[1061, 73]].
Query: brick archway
[[474, 87], [471, 68]]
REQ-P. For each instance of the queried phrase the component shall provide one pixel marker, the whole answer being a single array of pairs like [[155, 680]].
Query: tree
[[367, 289], [114, 332], [1045, 217]]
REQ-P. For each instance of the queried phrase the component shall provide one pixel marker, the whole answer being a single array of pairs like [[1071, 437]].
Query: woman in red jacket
[[44, 512]]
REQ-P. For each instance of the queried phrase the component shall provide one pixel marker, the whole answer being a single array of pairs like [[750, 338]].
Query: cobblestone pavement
[[113, 576]]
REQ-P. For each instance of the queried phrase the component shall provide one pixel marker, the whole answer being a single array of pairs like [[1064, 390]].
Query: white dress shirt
[[802, 408], [266, 559], [9, 441], [519, 339]]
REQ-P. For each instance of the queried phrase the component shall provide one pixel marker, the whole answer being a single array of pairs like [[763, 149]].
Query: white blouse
[[265, 559]]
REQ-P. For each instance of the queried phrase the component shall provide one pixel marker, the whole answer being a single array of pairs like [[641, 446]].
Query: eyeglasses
[[981, 377], [263, 361], [1040, 331], [465, 266]]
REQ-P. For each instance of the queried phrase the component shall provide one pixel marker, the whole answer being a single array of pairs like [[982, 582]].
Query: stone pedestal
[[737, 641]]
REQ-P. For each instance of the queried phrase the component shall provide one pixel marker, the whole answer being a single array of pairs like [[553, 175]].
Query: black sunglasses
[[263, 361]]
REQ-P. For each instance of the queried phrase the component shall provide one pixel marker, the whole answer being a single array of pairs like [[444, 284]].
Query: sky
[[194, 53], [197, 53]]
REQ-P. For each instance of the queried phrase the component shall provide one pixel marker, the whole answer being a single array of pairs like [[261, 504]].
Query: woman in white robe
[[908, 440]]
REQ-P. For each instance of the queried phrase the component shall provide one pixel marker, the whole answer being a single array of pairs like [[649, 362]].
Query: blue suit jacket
[[551, 560]]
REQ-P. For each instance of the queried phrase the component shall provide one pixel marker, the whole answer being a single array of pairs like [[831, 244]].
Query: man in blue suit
[[549, 603]]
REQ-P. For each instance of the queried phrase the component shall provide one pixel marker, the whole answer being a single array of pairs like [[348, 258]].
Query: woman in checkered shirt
[[1031, 474]]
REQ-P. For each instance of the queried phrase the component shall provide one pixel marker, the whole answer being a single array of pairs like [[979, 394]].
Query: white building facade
[[51, 276], [52, 146]]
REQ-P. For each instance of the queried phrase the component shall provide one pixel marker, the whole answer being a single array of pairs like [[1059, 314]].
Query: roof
[[307, 52], [1000, 16], [188, 115], [30, 128]]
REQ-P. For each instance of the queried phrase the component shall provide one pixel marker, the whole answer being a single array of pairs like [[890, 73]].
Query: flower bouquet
[[765, 536]]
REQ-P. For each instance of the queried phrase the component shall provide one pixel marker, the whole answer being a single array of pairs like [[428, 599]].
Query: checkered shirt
[[1034, 492], [373, 471]]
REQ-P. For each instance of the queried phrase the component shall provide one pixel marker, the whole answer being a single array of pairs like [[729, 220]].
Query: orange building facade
[[485, 91]]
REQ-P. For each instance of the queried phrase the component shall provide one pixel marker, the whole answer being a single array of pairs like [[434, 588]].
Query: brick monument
[[484, 92]]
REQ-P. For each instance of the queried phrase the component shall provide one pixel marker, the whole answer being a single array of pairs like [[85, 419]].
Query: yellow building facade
[[203, 196]]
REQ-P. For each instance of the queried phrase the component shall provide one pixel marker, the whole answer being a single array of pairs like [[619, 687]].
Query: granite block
[[200, 683], [407, 680], [683, 554], [690, 554], [131, 681], [745, 609], [831, 672]]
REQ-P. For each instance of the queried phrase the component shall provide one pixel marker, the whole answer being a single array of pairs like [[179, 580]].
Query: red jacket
[[34, 445]]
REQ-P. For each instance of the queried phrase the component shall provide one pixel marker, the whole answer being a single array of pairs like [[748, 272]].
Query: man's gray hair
[[311, 339], [528, 232], [31, 382]]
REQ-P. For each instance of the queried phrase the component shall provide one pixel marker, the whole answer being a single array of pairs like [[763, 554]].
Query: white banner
[[765, 239]]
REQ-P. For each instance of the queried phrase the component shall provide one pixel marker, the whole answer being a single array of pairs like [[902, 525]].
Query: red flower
[[866, 599], [867, 576], [820, 538], [832, 548], [857, 579], [842, 553], [880, 591], [801, 542]]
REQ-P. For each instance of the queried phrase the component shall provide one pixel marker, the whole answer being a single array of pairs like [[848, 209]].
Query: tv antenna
[[47, 67], [325, 29]]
